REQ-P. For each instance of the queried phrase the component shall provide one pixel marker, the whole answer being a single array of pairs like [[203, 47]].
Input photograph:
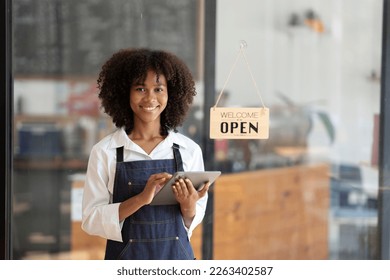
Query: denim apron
[[153, 232]]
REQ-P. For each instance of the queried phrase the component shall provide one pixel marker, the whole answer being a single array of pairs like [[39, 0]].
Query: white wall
[[329, 70]]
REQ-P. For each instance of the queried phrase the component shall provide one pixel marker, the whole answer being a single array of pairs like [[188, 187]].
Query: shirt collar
[[120, 139], [173, 137]]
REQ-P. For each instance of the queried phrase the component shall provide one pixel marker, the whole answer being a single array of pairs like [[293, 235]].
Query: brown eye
[[140, 89]]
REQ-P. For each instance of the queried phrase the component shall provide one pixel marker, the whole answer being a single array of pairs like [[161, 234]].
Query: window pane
[[310, 190], [311, 187], [59, 47]]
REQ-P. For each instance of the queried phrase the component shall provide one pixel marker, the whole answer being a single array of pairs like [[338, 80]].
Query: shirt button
[[129, 183]]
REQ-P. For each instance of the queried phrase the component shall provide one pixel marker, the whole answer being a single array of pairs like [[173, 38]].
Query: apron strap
[[119, 154], [177, 156]]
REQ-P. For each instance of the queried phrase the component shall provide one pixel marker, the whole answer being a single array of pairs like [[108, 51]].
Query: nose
[[150, 95]]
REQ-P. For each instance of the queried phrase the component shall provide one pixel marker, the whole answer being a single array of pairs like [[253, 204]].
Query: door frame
[[6, 113], [383, 241]]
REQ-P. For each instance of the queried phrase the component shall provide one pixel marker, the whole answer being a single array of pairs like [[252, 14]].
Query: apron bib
[[153, 232]]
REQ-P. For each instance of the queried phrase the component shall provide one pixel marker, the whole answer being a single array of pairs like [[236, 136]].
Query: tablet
[[165, 195]]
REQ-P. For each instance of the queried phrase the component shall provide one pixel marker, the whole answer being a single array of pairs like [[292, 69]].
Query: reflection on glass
[[59, 47], [308, 192], [314, 180]]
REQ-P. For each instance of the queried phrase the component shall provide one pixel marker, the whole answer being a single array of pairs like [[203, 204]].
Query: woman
[[147, 93]]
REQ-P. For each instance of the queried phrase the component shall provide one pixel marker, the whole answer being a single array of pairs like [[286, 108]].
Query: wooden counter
[[272, 214]]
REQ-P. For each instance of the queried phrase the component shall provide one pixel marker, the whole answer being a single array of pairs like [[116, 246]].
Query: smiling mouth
[[149, 108]]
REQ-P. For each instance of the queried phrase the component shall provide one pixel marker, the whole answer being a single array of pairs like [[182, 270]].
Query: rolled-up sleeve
[[200, 212], [100, 216], [196, 164]]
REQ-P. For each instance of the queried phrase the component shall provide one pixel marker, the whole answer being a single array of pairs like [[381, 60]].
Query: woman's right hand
[[153, 185], [134, 203]]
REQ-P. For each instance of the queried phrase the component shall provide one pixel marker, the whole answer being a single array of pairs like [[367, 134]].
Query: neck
[[145, 133], [147, 139]]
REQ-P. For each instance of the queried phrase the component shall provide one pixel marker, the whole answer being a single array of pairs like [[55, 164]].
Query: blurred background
[[307, 192]]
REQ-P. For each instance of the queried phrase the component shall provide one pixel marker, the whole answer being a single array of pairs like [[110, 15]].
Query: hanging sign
[[239, 123]]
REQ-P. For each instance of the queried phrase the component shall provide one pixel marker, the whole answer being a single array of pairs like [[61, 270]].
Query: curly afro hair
[[128, 66]]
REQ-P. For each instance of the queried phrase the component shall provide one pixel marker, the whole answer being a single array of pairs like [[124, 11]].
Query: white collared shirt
[[100, 216]]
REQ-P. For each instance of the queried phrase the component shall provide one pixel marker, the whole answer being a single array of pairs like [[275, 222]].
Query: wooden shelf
[[50, 164]]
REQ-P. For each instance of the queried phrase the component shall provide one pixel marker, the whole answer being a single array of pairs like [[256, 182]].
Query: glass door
[[58, 50], [310, 191], [312, 187]]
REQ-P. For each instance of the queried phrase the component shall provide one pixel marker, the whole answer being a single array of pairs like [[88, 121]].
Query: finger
[[204, 189], [189, 186], [157, 188], [160, 181], [161, 175], [183, 186], [155, 185], [176, 188], [206, 184], [167, 175]]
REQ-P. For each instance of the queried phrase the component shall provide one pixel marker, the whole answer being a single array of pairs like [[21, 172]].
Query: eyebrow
[[143, 84]]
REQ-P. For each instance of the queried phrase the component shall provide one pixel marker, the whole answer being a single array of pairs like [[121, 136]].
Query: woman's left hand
[[187, 196]]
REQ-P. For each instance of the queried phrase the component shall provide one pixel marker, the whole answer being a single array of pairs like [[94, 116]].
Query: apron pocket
[[169, 248]]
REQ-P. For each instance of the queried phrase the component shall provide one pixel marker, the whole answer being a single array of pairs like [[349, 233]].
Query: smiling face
[[148, 99]]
